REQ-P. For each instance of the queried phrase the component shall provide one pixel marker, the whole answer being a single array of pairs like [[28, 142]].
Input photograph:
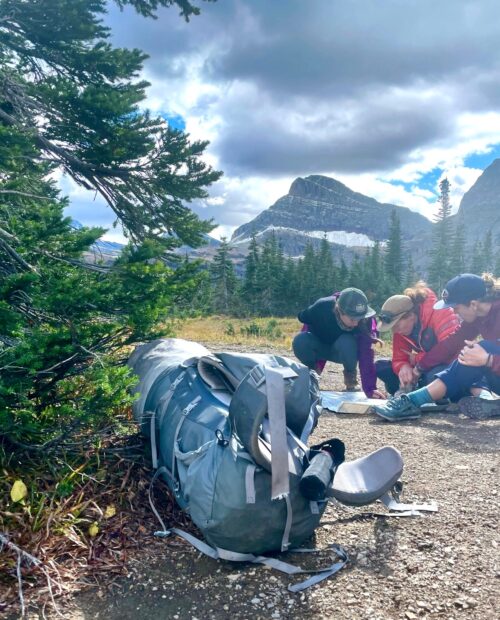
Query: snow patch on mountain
[[341, 237]]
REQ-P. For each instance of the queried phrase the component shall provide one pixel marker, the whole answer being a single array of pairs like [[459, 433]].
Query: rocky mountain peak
[[479, 209], [317, 205]]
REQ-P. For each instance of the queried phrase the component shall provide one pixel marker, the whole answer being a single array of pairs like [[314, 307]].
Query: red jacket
[[488, 327], [435, 326]]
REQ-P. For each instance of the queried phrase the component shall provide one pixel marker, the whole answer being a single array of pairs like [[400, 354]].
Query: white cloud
[[374, 97]]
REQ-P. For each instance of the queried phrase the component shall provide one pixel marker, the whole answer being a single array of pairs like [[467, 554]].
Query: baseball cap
[[461, 289], [393, 309], [354, 303]]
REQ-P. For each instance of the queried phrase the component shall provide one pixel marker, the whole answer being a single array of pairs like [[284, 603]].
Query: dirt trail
[[441, 565]]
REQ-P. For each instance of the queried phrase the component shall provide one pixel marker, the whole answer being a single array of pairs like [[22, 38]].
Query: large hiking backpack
[[228, 434], [214, 422]]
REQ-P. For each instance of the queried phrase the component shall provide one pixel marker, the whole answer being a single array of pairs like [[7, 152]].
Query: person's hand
[[416, 375], [406, 375], [412, 357], [473, 354], [379, 394]]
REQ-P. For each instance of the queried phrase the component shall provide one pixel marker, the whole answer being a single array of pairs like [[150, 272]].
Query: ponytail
[[417, 293], [492, 287]]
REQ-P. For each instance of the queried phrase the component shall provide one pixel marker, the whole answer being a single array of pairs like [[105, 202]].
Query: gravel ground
[[440, 565]]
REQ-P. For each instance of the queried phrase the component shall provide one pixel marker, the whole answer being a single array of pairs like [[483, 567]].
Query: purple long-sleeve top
[[366, 358]]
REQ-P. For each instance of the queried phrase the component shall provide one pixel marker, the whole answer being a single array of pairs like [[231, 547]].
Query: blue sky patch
[[407, 186], [482, 160], [427, 181], [174, 120]]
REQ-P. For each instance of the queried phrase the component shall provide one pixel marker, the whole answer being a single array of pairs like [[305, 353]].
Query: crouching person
[[474, 378], [417, 328], [340, 329]]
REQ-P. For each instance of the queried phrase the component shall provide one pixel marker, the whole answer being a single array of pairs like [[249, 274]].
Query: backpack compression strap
[[217, 553]]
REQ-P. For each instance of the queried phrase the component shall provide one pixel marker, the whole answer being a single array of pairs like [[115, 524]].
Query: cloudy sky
[[388, 96]]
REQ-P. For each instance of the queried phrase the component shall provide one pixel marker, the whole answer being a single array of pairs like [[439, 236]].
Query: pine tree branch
[[8, 235], [26, 194], [16, 257]]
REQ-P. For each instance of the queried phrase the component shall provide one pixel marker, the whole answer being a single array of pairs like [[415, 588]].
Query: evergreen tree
[[282, 287], [356, 274], [440, 268], [306, 276], [410, 275], [477, 264], [224, 280], [326, 271], [290, 298], [270, 275], [394, 254], [75, 99], [458, 251], [251, 287], [70, 102], [343, 275], [62, 321], [374, 279]]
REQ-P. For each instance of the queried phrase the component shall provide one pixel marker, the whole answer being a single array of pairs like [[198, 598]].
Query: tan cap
[[392, 310]]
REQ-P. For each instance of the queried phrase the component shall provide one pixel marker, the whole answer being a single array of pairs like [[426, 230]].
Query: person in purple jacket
[[340, 329]]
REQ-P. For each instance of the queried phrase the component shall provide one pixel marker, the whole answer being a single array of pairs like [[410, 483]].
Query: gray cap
[[354, 304]]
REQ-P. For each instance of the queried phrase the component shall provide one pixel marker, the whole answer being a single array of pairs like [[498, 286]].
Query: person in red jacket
[[473, 379], [417, 327]]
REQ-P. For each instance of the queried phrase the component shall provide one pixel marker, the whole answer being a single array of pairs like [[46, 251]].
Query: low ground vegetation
[[441, 565]]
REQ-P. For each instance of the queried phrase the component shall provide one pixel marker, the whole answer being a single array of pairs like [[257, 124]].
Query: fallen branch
[[30, 560]]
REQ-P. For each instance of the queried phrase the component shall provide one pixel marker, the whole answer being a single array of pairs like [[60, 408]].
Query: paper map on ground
[[348, 402]]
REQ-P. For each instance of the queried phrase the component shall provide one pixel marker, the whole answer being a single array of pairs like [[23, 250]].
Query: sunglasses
[[388, 317]]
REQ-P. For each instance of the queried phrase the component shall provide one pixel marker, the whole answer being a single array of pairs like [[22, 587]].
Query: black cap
[[461, 289], [354, 303]]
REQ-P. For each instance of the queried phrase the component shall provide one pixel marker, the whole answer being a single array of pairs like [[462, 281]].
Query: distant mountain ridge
[[316, 205], [108, 251]]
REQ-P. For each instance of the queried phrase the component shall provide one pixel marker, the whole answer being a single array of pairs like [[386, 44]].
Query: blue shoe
[[398, 408]]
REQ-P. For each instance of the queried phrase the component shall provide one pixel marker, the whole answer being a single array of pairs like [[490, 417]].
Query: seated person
[[340, 328], [477, 370], [416, 328]]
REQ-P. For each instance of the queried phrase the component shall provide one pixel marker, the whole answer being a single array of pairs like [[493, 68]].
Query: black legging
[[309, 349]]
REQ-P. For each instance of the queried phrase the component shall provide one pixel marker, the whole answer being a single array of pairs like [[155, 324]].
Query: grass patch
[[255, 331]]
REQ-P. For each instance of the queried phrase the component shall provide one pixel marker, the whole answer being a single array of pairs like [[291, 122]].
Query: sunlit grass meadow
[[253, 331], [247, 332]]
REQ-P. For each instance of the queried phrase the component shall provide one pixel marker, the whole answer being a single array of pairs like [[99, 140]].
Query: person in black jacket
[[339, 329]]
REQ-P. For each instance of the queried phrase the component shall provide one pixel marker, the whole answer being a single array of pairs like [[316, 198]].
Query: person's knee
[[458, 379], [301, 340], [303, 347], [346, 348]]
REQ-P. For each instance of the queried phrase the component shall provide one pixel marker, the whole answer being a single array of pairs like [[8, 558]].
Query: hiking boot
[[398, 408], [479, 408], [351, 381]]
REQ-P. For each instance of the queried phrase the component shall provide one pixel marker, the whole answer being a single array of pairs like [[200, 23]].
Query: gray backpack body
[[220, 449]]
